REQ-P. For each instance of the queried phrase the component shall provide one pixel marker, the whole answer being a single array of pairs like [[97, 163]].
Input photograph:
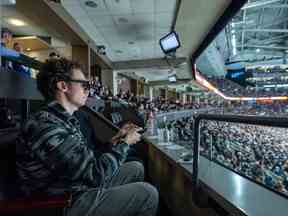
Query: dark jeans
[[127, 195]]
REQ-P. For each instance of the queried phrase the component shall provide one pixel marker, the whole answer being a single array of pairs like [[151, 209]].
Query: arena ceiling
[[257, 35], [261, 31], [130, 30]]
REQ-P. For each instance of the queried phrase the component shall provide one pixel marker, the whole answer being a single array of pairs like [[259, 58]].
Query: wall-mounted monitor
[[237, 73], [170, 42], [172, 78]]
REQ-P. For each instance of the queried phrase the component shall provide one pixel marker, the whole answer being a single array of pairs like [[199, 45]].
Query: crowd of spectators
[[232, 89], [271, 109], [257, 152], [214, 104], [142, 103]]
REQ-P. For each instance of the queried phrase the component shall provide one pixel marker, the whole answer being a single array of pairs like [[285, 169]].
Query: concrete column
[[155, 92], [150, 93], [166, 93], [115, 83], [109, 78], [89, 61], [80, 54], [183, 98]]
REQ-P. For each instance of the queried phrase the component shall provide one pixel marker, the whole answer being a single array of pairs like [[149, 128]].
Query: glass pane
[[259, 153], [246, 64], [175, 132]]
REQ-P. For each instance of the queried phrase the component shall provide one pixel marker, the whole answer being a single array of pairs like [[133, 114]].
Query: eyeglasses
[[84, 83]]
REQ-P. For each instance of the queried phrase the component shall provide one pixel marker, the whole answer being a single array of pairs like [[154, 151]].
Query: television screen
[[169, 42], [237, 73], [172, 78], [239, 76]]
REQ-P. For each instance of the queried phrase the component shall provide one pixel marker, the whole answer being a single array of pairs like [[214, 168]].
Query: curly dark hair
[[53, 71]]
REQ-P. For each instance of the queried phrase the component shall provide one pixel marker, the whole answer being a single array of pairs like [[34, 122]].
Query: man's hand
[[124, 130]]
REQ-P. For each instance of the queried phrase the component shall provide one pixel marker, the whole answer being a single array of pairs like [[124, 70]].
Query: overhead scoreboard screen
[[237, 73]]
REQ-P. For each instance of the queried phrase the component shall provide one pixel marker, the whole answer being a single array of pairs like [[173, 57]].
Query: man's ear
[[62, 86]]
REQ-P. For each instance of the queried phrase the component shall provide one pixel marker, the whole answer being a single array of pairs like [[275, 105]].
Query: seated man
[[54, 155]]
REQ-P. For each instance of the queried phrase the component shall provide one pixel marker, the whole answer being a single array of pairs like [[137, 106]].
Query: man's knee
[[137, 169], [148, 193]]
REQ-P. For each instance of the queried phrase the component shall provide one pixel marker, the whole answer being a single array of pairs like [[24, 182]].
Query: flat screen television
[[172, 78], [239, 76], [170, 42], [237, 73]]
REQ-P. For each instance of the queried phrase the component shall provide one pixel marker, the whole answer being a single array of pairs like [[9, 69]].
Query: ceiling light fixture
[[258, 50], [16, 22], [28, 49], [91, 4]]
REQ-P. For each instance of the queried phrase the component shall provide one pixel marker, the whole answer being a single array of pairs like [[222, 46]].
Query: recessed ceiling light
[[123, 20], [28, 49], [118, 51], [16, 22], [91, 4], [258, 50]]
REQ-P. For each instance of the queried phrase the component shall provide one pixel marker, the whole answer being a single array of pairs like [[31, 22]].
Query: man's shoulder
[[44, 115], [40, 120]]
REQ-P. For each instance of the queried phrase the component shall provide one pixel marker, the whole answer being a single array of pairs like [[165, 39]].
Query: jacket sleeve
[[67, 155]]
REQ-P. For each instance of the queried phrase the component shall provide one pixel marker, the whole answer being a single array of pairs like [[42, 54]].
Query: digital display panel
[[238, 74], [172, 78], [170, 42]]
